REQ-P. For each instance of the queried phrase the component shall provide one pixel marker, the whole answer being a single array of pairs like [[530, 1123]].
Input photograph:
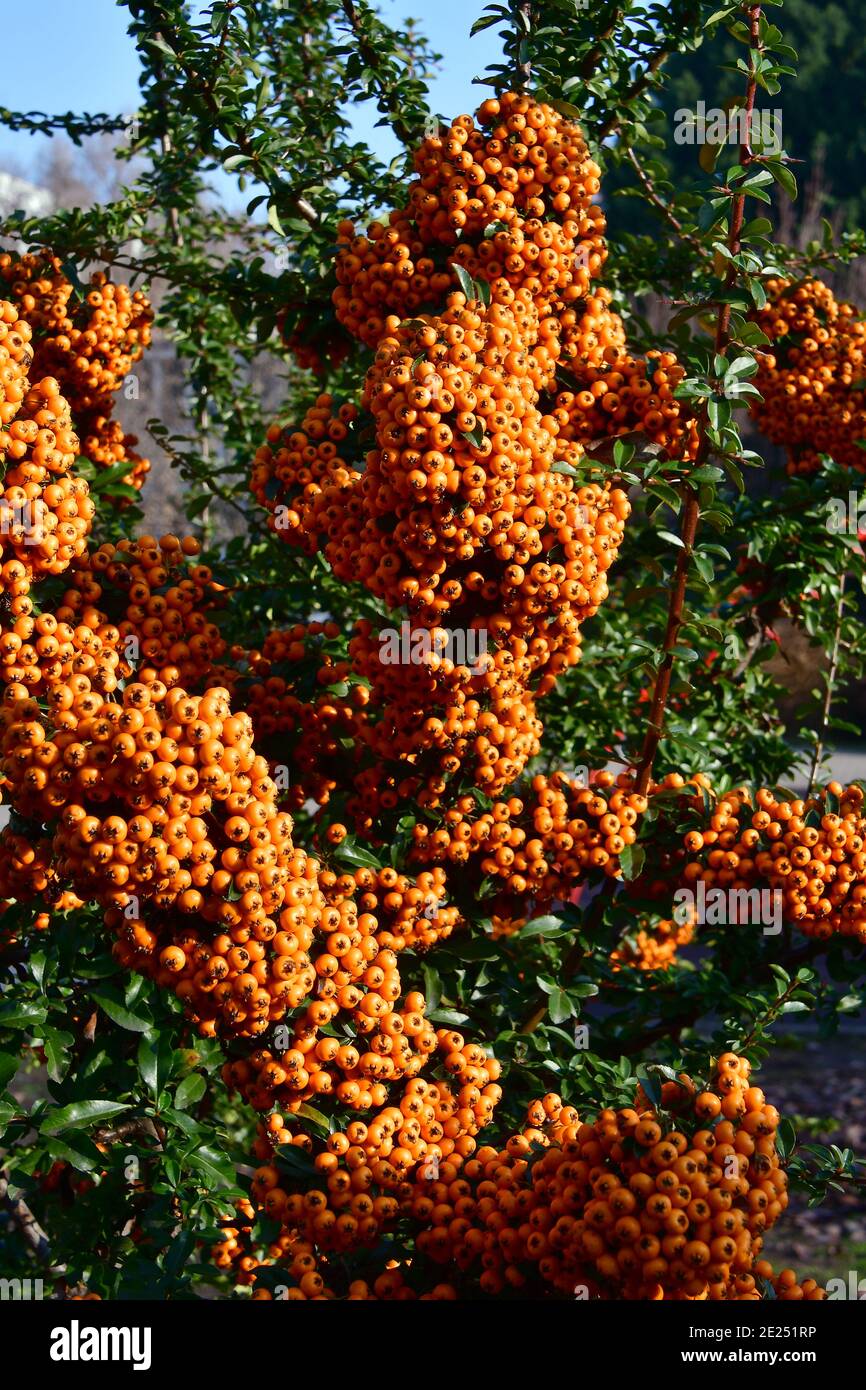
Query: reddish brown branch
[[691, 507]]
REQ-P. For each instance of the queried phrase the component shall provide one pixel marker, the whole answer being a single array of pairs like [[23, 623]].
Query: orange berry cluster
[[300, 472], [430, 1122], [811, 376], [45, 510], [534, 162], [623, 394], [439, 719], [509, 201], [89, 346], [27, 872], [635, 1205], [467, 509], [653, 946], [159, 625], [159, 801], [359, 1174], [590, 332], [106, 443], [341, 966], [459, 510], [295, 727], [649, 1202], [383, 273], [787, 1286], [812, 855], [16, 355], [545, 844], [163, 602]]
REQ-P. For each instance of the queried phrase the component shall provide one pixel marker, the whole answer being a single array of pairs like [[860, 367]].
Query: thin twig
[[587, 67], [372, 58], [828, 693], [664, 208], [173, 216], [524, 69], [244, 144], [23, 1218]]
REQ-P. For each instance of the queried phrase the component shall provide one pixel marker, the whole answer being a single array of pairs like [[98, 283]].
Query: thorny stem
[[691, 507], [149, 270]]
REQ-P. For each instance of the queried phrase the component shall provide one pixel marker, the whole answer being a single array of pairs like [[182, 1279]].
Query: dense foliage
[[331, 965]]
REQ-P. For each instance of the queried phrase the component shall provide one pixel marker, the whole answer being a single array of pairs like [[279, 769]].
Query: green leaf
[[9, 1064], [148, 1063], [190, 1091], [704, 567], [349, 852], [124, 1018], [543, 926], [83, 1156], [632, 861], [80, 1113], [58, 1052], [667, 493], [315, 1118], [182, 1246], [296, 1160], [484, 22], [651, 1083], [216, 1165], [22, 1015], [432, 985], [783, 176], [584, 989], [786, 1138], [467, 284], [559, 1006], [708, 157]]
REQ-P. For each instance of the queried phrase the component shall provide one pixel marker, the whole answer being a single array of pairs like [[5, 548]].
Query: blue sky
[[94, 66]]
